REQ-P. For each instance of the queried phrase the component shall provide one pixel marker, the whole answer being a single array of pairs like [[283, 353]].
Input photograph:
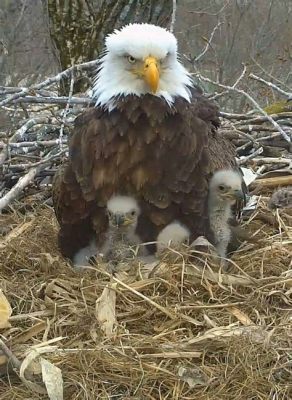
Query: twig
[[173, 16], [16, 363], [272, 182], [209, 41], [25, 181], [49, 81], [37, 143], [5, 90], [18, 188], [240, 117], [270, 84], [232, 88], [21, 131], [241, 76], [86, 101], [260, 119], [218, 95], [267, 73], [47, 160], [243, 160], [254, 128], [66, 110], [272, 160]]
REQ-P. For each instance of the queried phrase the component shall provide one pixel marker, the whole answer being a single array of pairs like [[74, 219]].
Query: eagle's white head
[[140, 59]]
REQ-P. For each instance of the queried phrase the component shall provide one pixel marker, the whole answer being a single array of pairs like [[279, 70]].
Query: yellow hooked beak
[[151, 73]]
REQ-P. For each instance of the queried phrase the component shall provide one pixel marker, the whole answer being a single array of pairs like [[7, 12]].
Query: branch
[[272, 160], [251, 156], [227, 115], [275, 117], [37, 143], [26, 180], [270, 84], [47, 160], [18, 188], [258, 107], [209, 41], [86, 101], [66, 110], [173, 16], [16, 363], [272, 182], [21, 131], [48, 82]]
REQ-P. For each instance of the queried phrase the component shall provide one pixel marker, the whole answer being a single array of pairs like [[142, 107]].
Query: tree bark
[[78, 27]]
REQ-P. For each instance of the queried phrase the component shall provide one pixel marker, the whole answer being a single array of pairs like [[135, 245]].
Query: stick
[[250, 156], [21, 131], [275, 117], [173, 16], [18, 188], [66, 110], [86, 101], [47, 160], [16, 363], [234, 115], [240, 91], [270, 84], [209, 41], [272, 182], [272, 160], [37, 143], [49, 81], [25, 181]]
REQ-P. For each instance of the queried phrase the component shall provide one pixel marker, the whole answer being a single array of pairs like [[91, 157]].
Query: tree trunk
[[78, 27]]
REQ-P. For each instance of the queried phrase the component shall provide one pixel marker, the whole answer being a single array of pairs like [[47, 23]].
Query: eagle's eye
[[109, 214], [133, 213], [221, 187], [131, 59]]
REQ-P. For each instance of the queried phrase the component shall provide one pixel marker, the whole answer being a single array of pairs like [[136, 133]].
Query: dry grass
[[182, 333]]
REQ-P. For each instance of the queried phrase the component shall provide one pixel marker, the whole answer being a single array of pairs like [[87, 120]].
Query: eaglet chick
[[123, 213], [225, 189], [173, 235]]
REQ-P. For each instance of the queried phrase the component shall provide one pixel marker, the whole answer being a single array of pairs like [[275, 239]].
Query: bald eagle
[[152, 135], [225, 190]]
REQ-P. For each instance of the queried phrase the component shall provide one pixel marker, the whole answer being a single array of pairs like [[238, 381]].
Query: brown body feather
[[163, 156]]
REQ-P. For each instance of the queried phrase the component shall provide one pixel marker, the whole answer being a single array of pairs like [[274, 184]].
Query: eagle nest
[[181, 331]]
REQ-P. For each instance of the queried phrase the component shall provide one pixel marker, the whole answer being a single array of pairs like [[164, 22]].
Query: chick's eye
[[221, 187], [131, 59], [133, 213]]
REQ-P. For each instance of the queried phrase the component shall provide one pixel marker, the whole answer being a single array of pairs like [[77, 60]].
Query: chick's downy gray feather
[[224, 190], [120, 238]]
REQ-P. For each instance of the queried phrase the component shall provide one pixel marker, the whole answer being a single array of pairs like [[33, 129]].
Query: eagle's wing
[[72, 212], [75, 206]]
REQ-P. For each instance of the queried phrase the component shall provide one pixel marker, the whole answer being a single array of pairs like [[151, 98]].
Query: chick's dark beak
[[119, 220], [238, 195]]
